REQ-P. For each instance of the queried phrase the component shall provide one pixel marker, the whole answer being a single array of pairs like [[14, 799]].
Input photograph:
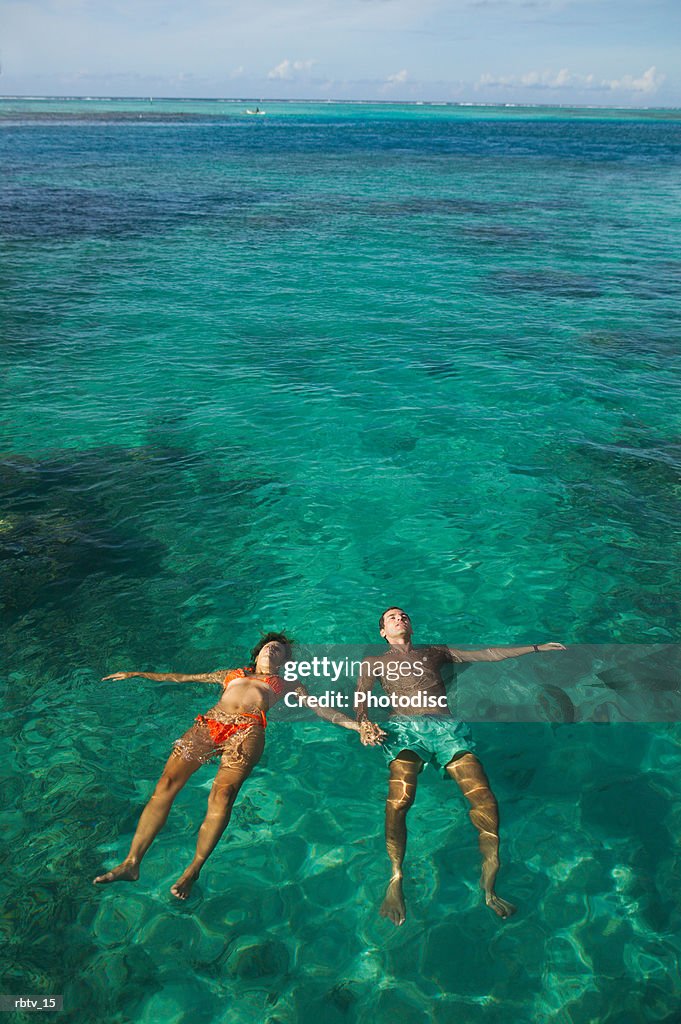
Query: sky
[[622, 53]]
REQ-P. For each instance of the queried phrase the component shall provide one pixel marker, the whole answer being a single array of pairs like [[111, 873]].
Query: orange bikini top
[[274, 682]]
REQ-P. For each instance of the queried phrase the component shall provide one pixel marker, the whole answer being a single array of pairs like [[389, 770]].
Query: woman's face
[[272, 656]]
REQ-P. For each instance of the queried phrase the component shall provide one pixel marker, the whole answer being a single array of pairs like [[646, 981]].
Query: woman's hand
[[119, 675], [551, 647], [370, 734]]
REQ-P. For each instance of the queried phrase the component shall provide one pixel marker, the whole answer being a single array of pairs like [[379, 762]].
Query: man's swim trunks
[[435, 738]]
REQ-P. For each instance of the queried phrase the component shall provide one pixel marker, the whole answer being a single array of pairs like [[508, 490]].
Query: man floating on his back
[[425, 731]]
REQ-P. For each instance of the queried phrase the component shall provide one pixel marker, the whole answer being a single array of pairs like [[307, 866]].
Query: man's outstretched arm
[[501, 653], [171, 677]]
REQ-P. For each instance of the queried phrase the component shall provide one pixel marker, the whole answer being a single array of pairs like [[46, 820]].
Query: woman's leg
[[232, 773], [191, 751]]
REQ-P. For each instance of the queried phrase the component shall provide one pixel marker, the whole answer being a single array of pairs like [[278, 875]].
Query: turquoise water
[[282, 372]]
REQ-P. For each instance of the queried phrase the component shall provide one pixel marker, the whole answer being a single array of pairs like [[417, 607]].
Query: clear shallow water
[[284, 372]]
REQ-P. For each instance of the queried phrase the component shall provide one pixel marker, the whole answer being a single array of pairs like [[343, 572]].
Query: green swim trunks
[[435, 738]]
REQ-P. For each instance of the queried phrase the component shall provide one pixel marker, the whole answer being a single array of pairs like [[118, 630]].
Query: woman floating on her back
[[234, 731]]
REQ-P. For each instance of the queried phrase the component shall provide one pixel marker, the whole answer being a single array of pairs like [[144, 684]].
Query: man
[[423, 731]]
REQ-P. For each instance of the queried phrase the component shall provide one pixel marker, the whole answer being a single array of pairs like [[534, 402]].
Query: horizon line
[[293, 99]]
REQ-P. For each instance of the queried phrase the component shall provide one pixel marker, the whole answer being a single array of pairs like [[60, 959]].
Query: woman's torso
[[245, 691]]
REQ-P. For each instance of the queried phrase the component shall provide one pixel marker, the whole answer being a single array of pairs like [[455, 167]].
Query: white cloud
[[288, 70], [648, 82], [562, 79], [395, 81]]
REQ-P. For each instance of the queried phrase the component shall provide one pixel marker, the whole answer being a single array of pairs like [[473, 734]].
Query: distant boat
[[258, 111]]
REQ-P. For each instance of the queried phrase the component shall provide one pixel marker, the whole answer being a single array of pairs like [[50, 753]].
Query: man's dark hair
[[381, 623], [266, 639]]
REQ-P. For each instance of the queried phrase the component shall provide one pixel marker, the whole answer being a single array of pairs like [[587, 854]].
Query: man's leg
[[231, 775], [468, 772], [404, 772], [178, 769]]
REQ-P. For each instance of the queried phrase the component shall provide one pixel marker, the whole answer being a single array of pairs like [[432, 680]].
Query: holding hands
[[370, 734]]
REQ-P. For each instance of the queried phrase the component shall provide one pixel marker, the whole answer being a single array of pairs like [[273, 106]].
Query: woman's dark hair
[[266, 639]]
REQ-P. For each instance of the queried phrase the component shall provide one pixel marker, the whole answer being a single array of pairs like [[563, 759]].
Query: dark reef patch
[[48, 556], [85, 541], [553, 283], [63, 522], [417, 206], [445, 368], [656, 342], [654, 280], [49, 213], [501, 235], [625, 493]]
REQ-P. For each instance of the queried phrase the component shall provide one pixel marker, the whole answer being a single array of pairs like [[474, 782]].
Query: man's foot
[[128, 871], [501, 907], [393, 905], [490, 870], [183, 886]]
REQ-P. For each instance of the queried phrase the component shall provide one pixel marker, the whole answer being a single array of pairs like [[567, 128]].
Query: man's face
[[396, 625]]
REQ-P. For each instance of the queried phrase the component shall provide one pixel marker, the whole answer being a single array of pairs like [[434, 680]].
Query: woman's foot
[[127, 871], [183, 886], [393, 906]]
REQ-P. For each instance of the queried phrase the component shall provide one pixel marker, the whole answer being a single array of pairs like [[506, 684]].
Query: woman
[[234, 731]]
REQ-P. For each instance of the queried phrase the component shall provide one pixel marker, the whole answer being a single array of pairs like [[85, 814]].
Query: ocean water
[[281, 373]]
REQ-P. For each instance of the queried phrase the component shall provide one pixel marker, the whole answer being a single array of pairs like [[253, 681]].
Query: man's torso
[[419, 670]]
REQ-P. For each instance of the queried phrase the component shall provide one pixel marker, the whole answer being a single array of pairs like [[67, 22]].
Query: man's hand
[[553, 646], [370, 734], [119, 675]]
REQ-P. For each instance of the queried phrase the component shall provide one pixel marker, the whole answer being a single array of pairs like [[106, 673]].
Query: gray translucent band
[[585, 683]]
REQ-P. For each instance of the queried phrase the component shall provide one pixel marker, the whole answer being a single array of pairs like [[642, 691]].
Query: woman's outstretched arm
[[338, 717], [171, 677]]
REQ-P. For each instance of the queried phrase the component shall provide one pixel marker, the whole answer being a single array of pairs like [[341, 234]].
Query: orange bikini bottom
[[220, 732]]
